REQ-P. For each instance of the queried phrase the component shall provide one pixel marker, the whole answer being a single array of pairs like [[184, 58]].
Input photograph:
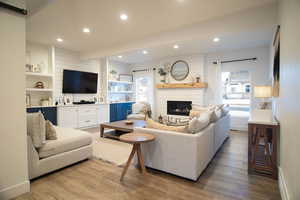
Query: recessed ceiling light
[[175, 46], [120, 56], [86, 30], [59, 40], [216, 39], [123, 17], [145, 52]]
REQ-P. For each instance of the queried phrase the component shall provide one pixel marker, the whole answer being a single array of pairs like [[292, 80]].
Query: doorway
[[236, 92]]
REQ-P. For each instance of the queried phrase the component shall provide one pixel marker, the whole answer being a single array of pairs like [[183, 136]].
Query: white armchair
[[140, 111]]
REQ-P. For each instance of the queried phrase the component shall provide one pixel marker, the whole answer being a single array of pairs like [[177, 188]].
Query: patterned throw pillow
[[50, 131], [36, 128], [150, 123]]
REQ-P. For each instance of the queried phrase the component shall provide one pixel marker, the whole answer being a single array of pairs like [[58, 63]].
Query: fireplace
[[179, 107]]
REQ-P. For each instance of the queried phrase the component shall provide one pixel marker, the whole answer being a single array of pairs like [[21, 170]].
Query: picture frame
[[28, 68], [126, 77], [68, 100]]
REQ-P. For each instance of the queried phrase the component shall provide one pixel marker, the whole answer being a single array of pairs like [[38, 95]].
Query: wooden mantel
[[182, 85]]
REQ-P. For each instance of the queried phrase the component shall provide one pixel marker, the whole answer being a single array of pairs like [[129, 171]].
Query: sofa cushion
[[150, 123], [199, 123], [67, 139], [36, 128]]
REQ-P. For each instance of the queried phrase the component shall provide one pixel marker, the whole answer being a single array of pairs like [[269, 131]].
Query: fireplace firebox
[[179, 107]]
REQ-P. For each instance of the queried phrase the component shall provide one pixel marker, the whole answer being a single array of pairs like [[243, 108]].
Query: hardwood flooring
[[226, 178]]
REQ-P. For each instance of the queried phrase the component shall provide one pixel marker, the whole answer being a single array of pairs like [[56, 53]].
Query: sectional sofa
[[185, 155]]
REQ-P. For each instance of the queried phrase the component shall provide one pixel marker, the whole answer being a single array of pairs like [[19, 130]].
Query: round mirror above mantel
[[180, 70]]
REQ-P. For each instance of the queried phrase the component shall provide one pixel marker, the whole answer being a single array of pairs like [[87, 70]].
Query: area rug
[[109, 150]]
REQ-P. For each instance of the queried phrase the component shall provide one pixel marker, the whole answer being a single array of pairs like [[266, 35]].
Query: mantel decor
[[182, 85]]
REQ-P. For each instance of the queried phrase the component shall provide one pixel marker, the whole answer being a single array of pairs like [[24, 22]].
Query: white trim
[[15, 190], [282, 186]]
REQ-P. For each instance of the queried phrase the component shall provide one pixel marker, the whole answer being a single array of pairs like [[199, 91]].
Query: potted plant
[[162, 73]]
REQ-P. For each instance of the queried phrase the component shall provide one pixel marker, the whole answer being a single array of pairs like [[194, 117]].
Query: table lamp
[[263, 92]]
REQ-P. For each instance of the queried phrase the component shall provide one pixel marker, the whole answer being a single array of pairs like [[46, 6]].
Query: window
[[143, 89], [236, 90]]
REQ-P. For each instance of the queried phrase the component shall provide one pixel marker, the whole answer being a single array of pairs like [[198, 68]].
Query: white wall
[[65, 59], [288, 105], [259, 69], [196, 64], [13, 139], [120, 67]]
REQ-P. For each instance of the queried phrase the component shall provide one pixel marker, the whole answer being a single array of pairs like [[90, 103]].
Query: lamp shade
[[262, 91]]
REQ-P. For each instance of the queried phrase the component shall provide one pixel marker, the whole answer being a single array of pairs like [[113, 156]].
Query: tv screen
[[79, 82]]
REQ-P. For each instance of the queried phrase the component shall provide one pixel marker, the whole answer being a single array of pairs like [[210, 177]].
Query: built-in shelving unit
[[120, 82], [120, 92], [40, 57]]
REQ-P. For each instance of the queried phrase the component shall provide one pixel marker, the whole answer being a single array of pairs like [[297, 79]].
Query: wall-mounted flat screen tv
[[77, 82]]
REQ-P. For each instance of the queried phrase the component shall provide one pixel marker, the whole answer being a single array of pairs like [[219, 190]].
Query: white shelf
[[38, 74], [120, 92], [38, 90], [121, 82]]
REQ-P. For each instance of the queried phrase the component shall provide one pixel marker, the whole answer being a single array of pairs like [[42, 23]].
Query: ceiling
[[66, 18], [200, 46]]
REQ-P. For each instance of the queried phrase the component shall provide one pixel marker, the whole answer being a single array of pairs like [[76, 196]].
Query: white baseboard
[[282, 186], [15, 190]]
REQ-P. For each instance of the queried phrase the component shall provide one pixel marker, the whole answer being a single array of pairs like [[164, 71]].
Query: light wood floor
[[225, 178]]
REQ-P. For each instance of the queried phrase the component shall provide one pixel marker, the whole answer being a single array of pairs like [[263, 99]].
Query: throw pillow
[[194, 113], [150, 123], [215, 114], [36, 128], [50, 131], [225, 110], [198, 124]]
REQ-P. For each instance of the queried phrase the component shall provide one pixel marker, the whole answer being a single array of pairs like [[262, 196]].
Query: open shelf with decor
[[39, 90], [39, 75]]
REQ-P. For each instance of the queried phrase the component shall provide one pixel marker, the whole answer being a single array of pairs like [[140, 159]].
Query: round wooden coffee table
[[136, 139]]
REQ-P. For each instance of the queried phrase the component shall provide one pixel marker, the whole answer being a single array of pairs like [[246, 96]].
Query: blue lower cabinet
[[50, 113], [113, 113], [119, 111]]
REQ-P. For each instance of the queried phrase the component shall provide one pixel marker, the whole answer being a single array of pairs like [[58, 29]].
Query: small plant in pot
[[163, 73]]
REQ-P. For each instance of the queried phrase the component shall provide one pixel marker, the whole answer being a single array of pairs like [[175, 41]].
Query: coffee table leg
[[101, 130], [128, 161], [141, 159]]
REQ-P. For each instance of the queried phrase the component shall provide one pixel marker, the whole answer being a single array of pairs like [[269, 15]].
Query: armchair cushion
[[136, 116], [137, 108]]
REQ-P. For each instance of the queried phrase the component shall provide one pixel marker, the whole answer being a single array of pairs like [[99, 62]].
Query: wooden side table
[[136, 139], [262, 148]]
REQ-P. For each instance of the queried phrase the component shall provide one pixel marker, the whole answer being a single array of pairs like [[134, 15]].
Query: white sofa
[[70, 147], [185, 155]]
